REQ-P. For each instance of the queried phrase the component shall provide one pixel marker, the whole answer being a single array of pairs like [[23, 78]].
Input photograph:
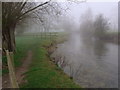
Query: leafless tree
[[14, 13]]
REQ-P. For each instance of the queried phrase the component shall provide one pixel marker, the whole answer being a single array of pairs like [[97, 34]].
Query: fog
[[72, 12], [108, 9], [86, 55], [89, 51]]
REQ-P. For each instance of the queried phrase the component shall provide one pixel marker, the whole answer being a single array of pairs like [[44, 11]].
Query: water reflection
[[91, 63], [99, 49]]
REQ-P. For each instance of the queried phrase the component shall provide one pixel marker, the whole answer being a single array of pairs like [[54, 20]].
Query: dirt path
[[19, 71]]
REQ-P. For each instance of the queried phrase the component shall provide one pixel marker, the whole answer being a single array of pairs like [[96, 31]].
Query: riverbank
[[42, 72], [112, 37], [45, 74], [91, 63]]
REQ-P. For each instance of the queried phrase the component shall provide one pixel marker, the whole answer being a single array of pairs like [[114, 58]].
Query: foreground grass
[[23, 44], [42, 72]]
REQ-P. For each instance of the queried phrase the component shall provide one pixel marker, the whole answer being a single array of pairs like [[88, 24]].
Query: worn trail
[[19, 71]]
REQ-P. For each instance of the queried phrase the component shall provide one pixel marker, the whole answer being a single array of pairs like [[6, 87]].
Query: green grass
[[45, 74], [23, 44], [42, 72]]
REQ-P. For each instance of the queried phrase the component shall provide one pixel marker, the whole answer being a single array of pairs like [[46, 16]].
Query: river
[[91, 63]]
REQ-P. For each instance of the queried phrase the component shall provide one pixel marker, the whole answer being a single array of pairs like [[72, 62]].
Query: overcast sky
[[108, 9]]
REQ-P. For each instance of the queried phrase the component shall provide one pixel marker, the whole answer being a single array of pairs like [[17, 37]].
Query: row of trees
[[93, 28]]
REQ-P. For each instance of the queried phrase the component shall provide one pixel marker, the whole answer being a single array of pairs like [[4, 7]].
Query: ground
[[34, 69], [19, 71]]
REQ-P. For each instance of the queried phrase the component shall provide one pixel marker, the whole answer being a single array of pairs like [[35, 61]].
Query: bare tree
[[14, 13]]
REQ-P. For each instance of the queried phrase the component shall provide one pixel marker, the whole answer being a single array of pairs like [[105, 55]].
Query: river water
[[91, 63]]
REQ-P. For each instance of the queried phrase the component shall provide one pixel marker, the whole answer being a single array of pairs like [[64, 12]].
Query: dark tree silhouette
[[101, 25]]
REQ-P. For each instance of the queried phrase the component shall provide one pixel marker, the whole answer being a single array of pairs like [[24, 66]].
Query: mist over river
[[91, 63]]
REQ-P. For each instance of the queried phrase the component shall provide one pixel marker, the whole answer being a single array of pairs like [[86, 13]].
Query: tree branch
[[33, 9]]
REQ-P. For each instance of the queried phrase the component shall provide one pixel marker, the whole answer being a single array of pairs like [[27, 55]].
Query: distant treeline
[[112, 37]]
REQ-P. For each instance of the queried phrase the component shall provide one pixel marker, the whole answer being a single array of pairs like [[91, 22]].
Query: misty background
[[74, 12], [89, 53]]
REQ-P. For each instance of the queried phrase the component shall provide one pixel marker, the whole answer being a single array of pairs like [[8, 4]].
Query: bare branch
[[33, 9]]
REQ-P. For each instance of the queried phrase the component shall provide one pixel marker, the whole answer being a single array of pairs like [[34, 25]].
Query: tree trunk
[[9, 39]]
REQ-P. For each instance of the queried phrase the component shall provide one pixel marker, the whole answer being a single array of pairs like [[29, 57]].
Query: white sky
[[109, 8], [81, 0], [103, 0]]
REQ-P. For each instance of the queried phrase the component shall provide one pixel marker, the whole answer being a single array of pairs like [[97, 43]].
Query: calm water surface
[[92, 64]]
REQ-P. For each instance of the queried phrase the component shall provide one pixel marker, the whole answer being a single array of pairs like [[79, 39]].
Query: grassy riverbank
[[42, 72], [23, 44], [45, 74]]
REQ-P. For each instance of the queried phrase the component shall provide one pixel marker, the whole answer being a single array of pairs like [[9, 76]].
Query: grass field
[[42, 72]]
